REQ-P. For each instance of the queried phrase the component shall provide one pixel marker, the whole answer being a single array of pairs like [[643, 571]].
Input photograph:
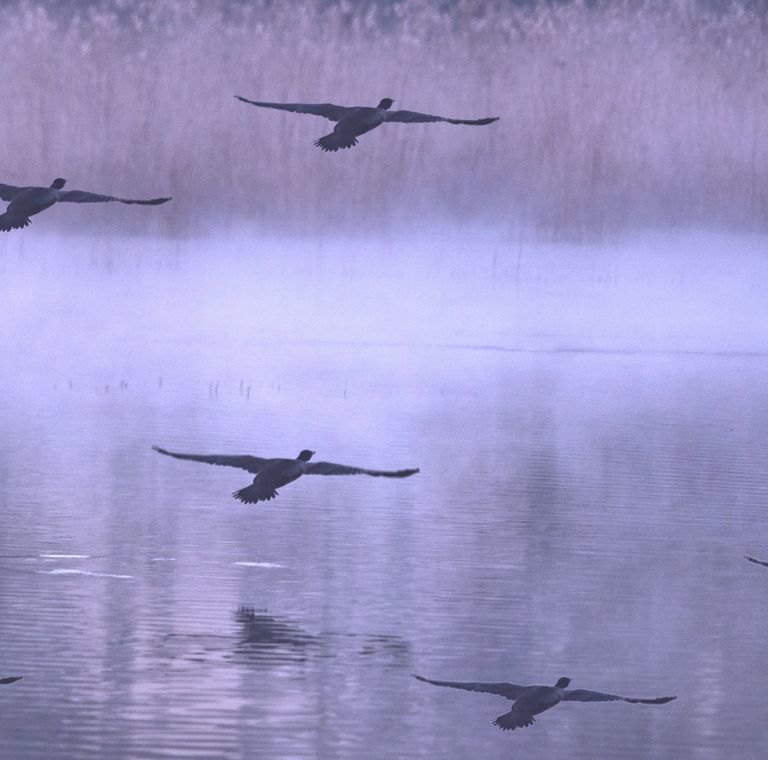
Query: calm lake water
[[582, 509]]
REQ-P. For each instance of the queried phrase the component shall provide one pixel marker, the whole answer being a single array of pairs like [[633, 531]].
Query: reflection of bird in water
[[756, 561], [532, 700], [263, 634], [271, 474], [10, 679], [260, 630], [28, 201], [353, 121], [259, 639], [393, 647]]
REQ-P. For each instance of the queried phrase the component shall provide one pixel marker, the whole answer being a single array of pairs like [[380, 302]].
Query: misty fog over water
[[467, 286], [560, 318]]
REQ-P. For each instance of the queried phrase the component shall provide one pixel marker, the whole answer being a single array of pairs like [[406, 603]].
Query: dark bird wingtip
[[656, 701]]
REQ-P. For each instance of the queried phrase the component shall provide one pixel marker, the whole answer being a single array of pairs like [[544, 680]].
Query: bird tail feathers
[[11, 222], [336, 141], [255, 493], [511, 720]]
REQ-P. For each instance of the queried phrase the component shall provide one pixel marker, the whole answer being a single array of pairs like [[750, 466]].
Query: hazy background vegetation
[[614, 115]]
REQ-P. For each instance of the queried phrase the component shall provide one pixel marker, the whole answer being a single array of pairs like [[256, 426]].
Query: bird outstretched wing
[[582, 695], [508, 690], [81, 196], [242, 462], [9, 192], [413, 117], [10, 679], [330, 468], [327, 110], [756, 561]]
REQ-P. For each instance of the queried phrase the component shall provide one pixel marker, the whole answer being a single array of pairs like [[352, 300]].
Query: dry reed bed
[[630, 114]]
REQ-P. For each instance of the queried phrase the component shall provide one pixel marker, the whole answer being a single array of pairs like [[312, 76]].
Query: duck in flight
[[28, 201], [532, 700], [271, 474], [353, 121], [10, 679]]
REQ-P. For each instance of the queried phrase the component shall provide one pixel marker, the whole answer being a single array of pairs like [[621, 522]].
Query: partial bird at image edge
[[25, 202]]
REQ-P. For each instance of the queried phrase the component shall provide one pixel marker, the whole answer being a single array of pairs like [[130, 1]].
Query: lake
[[591, 436]]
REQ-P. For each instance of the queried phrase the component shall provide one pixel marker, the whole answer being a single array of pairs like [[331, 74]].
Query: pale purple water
[[578, 513]]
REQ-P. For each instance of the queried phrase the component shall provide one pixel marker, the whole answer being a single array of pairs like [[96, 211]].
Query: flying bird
[[756, 561], [28, 201], [353, 121], [271, 474], [532, 700], [10, 679]]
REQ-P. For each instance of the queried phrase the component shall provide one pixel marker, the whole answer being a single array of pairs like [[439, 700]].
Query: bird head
[[385, 103], [562, 683], [58, 183], [306, 455]]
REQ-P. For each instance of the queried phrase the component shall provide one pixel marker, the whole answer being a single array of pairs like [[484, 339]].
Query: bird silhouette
[[271, 474], [28, 201], [10, 679], [353, 121], [532, 700]]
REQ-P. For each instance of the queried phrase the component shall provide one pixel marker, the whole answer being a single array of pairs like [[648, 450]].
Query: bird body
[[353, 121], [25, 202], [272, 474], [10, 679], [530, 701], [28, 202], [31, 201], [361, 119]]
